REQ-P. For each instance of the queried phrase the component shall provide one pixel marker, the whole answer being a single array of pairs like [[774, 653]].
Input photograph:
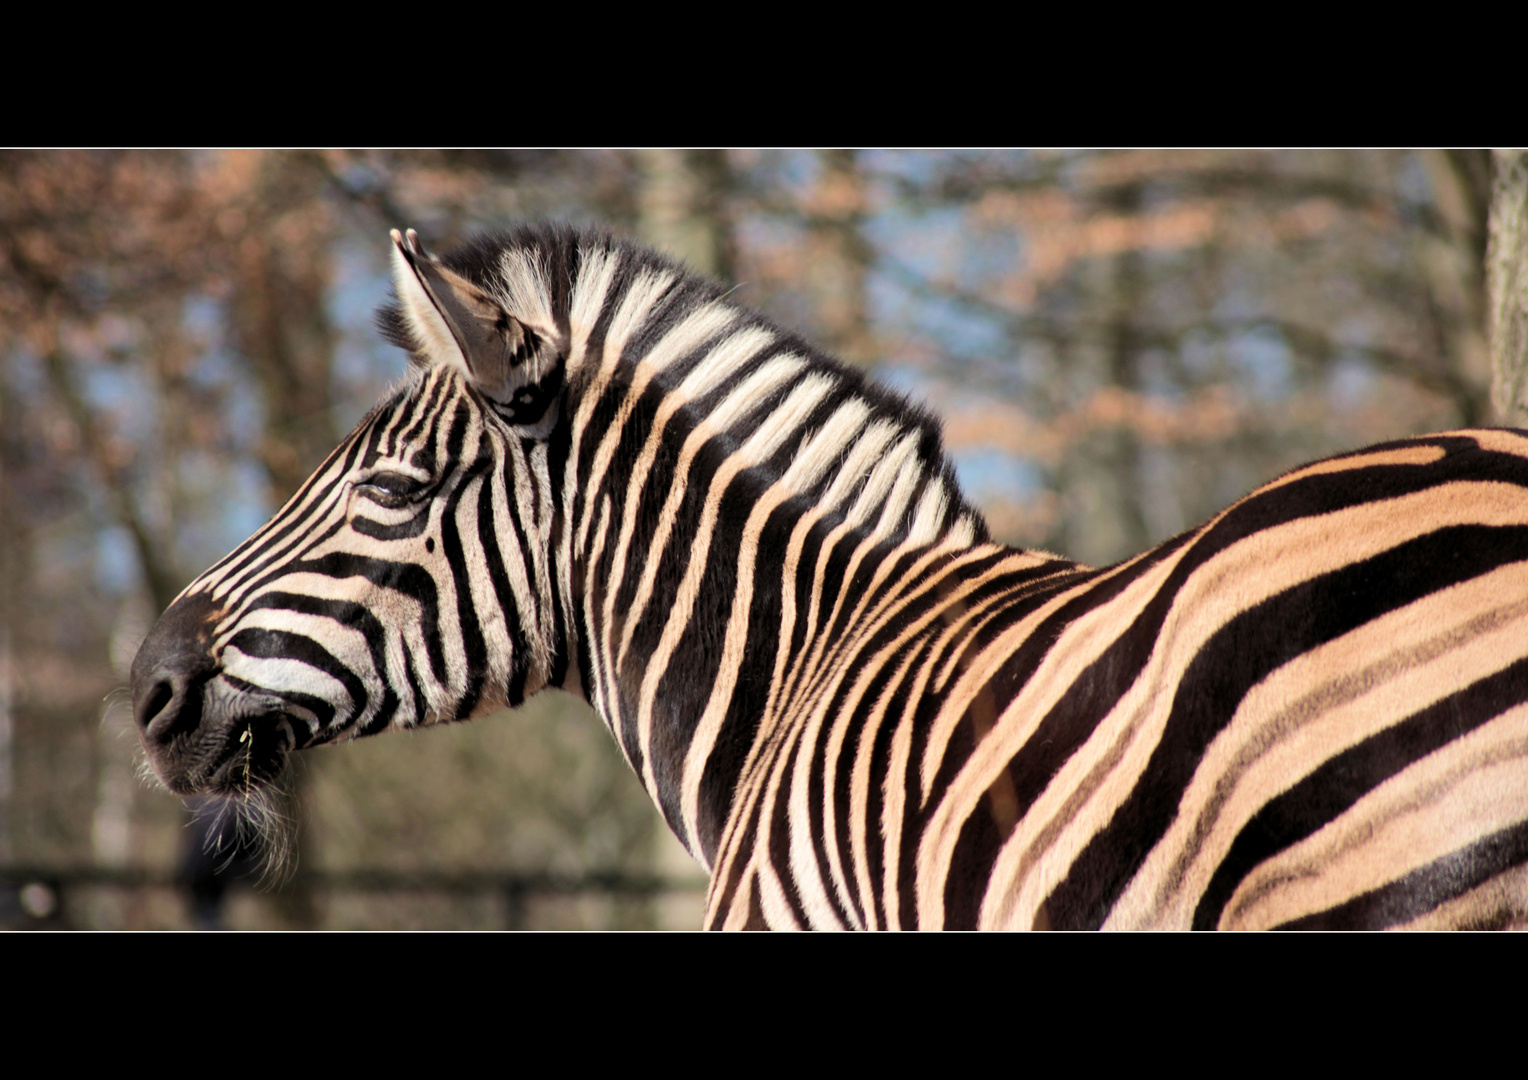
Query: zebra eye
[[390, 489]]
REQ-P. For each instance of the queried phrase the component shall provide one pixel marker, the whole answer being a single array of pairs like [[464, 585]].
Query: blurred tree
[[1190, 323], [76, 300]]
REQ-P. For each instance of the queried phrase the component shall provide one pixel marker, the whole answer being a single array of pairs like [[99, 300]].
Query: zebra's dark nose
[[170, 670]]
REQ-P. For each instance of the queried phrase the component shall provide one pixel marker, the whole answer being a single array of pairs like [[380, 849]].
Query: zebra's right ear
[[455, 322]]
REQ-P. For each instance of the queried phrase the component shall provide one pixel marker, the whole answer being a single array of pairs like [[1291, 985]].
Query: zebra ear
[[457, 322]]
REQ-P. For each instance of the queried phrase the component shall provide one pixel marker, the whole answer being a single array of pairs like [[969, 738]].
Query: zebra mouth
[[253, 755]]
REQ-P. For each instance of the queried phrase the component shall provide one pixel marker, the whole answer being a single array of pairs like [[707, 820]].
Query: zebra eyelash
[[393, 490]]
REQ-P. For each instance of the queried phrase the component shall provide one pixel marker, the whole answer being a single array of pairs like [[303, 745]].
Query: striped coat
[[607, 477]]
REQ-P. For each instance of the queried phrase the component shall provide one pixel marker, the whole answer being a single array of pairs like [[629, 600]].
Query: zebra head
[[408, 581]]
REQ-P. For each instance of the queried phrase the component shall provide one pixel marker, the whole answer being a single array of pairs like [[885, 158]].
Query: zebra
[[602, 474]]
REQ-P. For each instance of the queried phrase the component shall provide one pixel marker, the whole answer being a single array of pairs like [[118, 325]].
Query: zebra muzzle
[[193, 741], [254, 754]]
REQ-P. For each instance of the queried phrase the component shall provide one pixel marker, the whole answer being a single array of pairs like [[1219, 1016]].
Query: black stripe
[[403, 530], [323, 711], [493, 559], [782, 838], [1341, 781], [247, 555], [740, 727], [1427, 887], [1095, 692], [557, 449], [280, 645], [421, 703], [880, 768], [1073, 718], [1239, 656], [428, 407], [355, 617], [473, 645], [407, 578]]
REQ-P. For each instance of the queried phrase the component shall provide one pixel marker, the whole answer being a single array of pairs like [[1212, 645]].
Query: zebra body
[[602, 475]]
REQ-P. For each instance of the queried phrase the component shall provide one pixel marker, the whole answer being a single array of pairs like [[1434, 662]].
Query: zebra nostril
[[162, 694], [170, 707], [170, 670]]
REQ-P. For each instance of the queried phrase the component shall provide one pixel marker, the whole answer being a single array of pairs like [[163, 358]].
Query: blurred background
[[1121, 343]]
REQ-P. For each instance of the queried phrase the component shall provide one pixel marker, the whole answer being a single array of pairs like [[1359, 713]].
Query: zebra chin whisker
[[253, 757], [251, 816], [256, 820]]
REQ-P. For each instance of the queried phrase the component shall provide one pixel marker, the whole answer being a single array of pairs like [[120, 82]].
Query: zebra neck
[[717, 575], [728, 643]]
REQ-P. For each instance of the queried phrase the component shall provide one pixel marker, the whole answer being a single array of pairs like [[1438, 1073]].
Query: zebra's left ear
[[456, 322]]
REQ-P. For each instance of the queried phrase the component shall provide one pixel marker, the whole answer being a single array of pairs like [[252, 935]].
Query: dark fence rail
[[42, 897]]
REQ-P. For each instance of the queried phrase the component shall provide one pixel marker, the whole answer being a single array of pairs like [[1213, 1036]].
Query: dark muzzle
[[169, 683]]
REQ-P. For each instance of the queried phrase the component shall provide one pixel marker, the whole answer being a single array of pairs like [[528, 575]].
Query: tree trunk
[[1102, 477], [280, 319], [682, 207], [840, 258], [1453, 266], [1507, 281]]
